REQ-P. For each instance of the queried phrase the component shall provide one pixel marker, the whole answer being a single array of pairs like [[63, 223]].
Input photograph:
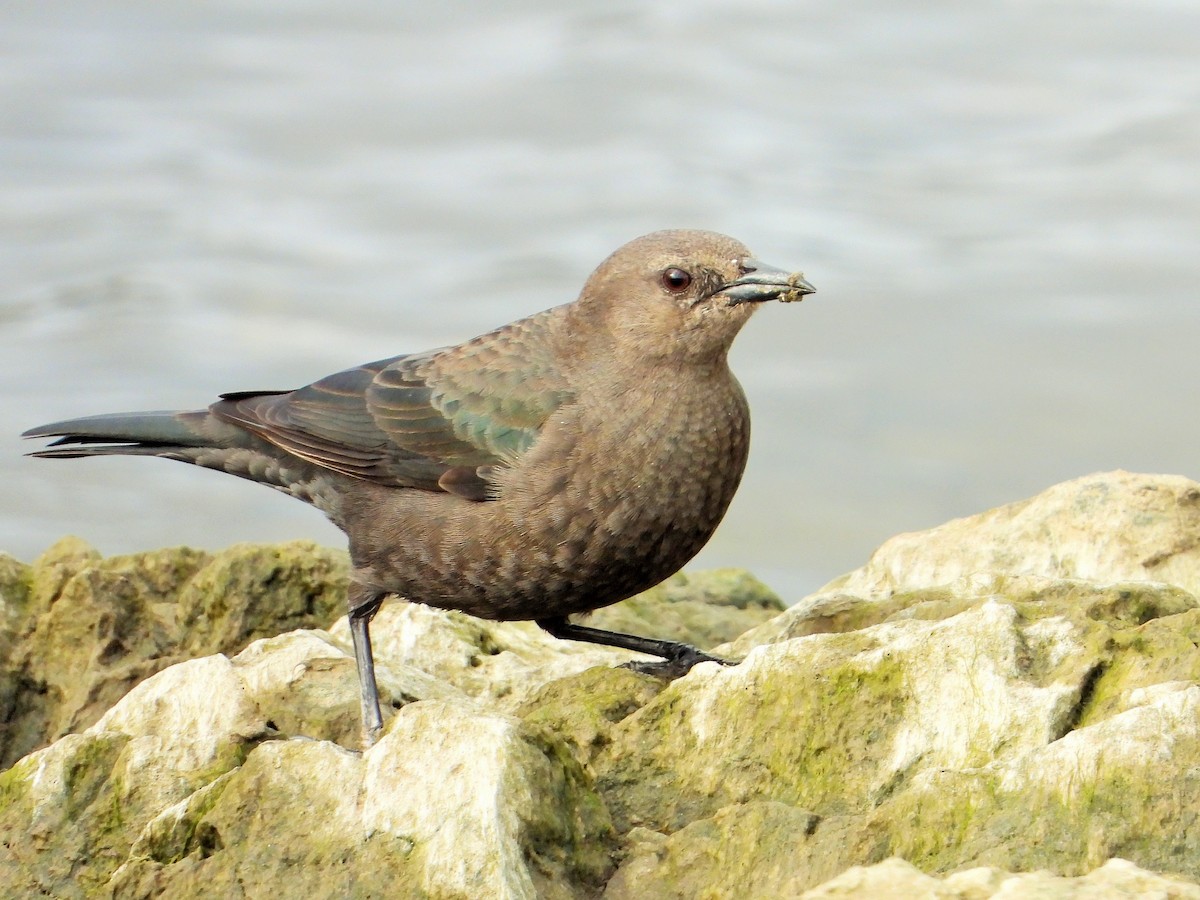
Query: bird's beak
[[762, 282]]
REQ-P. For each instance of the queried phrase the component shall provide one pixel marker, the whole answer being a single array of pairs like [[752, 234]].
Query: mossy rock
[[79, 630]]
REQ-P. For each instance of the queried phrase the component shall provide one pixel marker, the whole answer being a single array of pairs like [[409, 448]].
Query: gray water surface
[[998, 202]]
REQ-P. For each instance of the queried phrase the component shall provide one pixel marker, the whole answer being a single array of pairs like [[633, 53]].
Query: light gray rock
[[1005, 706], [180, 790], [1100, 529], [78, 631], [894, 879]]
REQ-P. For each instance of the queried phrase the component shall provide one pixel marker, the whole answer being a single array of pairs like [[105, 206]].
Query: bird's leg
[[678, 658], [364, 603]]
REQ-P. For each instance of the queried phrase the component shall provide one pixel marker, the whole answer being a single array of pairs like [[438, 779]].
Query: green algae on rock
[[82, 630], [1013, 692]]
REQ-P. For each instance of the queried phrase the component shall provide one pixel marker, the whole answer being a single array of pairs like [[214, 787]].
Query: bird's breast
[[622, 494]]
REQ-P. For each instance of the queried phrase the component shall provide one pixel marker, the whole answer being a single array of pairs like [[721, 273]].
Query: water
[[999, 204]]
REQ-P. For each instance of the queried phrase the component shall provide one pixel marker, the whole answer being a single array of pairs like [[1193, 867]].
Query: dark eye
[[676, 280]]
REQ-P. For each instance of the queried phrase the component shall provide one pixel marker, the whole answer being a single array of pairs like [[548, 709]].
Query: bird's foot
[[678, 664]]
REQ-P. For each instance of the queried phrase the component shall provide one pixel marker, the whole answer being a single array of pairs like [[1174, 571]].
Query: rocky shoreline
[[1004, 706]]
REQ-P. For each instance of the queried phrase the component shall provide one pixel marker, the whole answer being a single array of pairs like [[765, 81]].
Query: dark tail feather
[[124, 434]]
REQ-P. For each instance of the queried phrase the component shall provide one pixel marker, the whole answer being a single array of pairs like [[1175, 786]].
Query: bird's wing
[[435, 421]]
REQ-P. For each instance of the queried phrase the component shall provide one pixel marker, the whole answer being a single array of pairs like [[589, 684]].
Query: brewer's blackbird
[[553, 466]]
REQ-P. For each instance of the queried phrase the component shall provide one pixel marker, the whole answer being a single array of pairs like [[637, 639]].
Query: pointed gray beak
[[762, 282]]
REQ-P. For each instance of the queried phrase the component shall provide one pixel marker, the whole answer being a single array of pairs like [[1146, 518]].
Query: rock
[[78, 631], [326, 822], [754, 849], [894, 879], [1100, 529], [188, 783], [171, 791], [1006, 706]]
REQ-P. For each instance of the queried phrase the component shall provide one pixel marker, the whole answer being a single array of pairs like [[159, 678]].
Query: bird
[[551, 467]]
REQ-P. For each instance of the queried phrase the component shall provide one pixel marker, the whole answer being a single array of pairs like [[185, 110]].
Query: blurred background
[[998, 202]]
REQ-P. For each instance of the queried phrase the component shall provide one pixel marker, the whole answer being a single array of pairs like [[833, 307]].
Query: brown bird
[[553, 466]]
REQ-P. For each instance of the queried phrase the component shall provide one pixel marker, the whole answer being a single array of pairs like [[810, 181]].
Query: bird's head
[[682, 295]]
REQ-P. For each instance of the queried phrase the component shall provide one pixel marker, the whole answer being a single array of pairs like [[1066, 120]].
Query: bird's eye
[[676, 280]]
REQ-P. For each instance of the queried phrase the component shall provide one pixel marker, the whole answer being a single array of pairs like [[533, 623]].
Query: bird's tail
[[124, 434], [198, 437]]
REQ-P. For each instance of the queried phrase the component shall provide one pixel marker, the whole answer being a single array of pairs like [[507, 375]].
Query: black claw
[[678, 664], [678, 658]]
